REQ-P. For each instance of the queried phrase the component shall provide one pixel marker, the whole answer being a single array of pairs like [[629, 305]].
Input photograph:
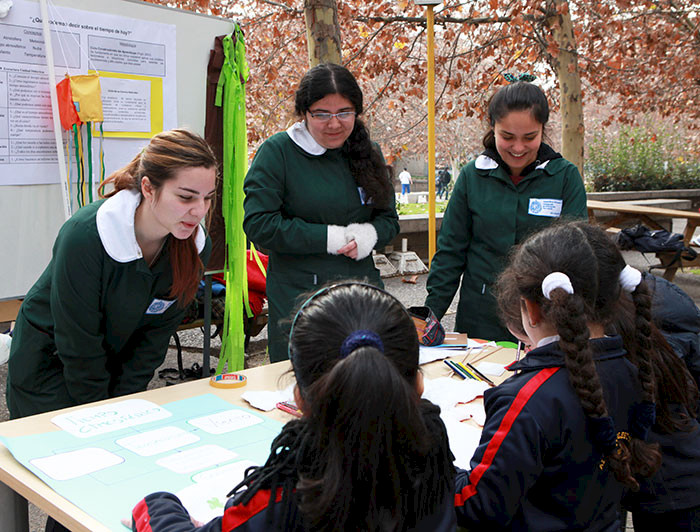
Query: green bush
[[640, 158]]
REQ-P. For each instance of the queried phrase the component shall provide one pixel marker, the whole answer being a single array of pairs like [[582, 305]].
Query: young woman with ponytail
[[670, 499], [518, 185], [319, 197], [367, 454], [562, 436], [97, 322]]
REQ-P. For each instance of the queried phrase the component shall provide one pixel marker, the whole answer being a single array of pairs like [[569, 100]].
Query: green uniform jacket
[[291, 196], [91, 327], [486, 216]]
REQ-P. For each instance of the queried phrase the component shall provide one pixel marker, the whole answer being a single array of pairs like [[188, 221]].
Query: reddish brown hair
[[167, 153]]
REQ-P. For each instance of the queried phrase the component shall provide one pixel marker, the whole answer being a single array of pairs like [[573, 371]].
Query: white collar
[[484, 162], [548, 340], [115, 225], [302, 138]]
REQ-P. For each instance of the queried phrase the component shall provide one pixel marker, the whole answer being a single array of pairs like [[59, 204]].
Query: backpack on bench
[[645, 240]]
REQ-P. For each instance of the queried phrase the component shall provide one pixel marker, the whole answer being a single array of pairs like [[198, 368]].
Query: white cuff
[[335, 239], [364, 235]]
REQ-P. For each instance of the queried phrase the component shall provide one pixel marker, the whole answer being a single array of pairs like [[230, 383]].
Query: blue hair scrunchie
[[514, 78], [360, 338], [602, 432], [642, 419]]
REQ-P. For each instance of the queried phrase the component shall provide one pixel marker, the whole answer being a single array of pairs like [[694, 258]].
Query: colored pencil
[[480, 375], [458, 370]]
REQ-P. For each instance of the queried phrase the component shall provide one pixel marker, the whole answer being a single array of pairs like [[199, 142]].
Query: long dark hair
[[367, 454], [666, 380], [566, 248], [366, 162], [519, 96], [165, 154]]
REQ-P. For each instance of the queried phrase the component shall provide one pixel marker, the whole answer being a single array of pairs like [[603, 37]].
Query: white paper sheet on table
[[267, 400], [491, 368], [94, 421], [456, 401]]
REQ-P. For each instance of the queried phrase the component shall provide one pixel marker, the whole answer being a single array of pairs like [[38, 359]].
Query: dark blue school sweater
[[535, 467]]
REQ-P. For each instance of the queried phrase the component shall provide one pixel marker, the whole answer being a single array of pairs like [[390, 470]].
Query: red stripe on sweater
[[524, 395], [235, 516], [141, 517]]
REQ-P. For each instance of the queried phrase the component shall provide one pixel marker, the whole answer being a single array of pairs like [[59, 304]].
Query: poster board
[[32, 214], [197, 448]]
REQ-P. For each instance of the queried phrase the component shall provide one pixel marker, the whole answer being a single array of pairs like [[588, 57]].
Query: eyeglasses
[[344, 116]]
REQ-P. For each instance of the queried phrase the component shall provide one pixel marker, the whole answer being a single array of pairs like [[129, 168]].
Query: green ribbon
[[230, 94]]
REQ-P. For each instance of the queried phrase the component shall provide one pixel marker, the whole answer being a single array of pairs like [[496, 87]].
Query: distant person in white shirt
[[406, 182]]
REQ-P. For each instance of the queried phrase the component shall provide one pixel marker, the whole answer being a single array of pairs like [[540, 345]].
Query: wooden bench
[[9, 308], [624, 212]]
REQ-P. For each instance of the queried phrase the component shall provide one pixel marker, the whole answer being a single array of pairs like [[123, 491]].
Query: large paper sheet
[[199, 451], [136, 60]]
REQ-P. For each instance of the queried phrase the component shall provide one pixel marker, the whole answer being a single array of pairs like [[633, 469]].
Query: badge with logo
[[545, 207], [158, 306]]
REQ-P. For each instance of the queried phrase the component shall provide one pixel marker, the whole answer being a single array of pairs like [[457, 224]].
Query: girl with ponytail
[[319, 197], [98, 321], [367, 454], [563, 436]]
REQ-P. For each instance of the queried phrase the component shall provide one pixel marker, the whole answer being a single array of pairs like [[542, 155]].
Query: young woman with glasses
[[319, 197]]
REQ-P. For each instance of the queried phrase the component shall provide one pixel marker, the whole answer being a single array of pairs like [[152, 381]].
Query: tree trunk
[[566, 67], [322, 31]]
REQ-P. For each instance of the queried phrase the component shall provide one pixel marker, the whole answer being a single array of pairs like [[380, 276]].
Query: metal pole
[[431, 134], [63, 175]]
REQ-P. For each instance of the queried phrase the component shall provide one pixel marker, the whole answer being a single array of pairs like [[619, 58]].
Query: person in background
[[98, 321], [518, 185], [318, 197], [352, 346], [406, 181], [444, 177], [565, 433]]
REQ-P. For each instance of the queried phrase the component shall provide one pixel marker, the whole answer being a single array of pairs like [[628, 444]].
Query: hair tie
[[514, 78], [358, 339], [642, 419], [630, 278], [602, 432], [556, 280]]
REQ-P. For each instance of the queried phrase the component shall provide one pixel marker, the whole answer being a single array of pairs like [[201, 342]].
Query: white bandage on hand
[[364, 235], [335, 239]]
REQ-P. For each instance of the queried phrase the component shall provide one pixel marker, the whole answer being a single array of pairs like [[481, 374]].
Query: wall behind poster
[[31, 213]]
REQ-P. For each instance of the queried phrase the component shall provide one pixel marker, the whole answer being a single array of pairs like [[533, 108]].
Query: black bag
[[646, 240]]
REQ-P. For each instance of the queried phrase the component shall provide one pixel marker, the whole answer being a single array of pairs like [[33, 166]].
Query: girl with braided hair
[[367, 454], [669, 499], [559, 444]]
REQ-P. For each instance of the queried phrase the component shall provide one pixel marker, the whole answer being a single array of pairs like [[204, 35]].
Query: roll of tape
[[228, 380]]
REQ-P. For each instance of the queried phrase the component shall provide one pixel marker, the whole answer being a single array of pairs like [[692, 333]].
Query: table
[[640, 213], [16, 481]]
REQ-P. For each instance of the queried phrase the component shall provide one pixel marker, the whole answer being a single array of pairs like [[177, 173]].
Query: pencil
[[487, 354], [468, 371], [459, 371], [464, 370], [481, 375]]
